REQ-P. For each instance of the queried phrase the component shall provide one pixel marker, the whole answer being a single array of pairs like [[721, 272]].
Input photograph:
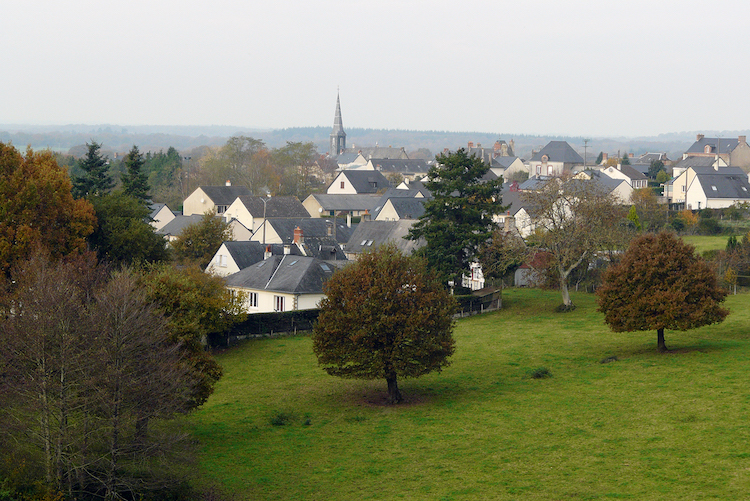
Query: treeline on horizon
[[70, 139]]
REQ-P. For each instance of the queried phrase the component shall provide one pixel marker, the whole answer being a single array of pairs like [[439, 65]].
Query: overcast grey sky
[[590, 68]]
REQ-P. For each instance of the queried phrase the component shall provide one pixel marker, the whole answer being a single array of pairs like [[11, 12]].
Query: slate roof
[[628, 170], [395, 193], [179, 223], [365, 181], [248, 253], [225, 195], [727, 145], [379, 152], [311, 227], [275, 206], [372, 234], [400, 165], [288, 273], [346, 202], [408, 208], [503, 162], [696, 163], [730, 182], [346, 158], [558, 151]]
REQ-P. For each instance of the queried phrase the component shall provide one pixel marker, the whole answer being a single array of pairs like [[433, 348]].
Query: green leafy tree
[[135, 180], [625, 159], [662, 176], [199, 241], [459, 216], [502, 254], [197, 306], [123, 235], [655, 167], [651, 214], [37, 208], [659, 284], [384, 317], [95, 180], [634, 219]]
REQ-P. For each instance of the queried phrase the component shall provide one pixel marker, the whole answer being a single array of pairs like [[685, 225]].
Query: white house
[[711, 187], [207, 198]]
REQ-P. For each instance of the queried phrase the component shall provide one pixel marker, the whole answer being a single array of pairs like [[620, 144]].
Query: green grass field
[[643, 426], [703, 243]]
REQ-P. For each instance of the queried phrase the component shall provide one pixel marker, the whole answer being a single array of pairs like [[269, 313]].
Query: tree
[[575, 219], [199, 241], [502, 254], [625, 159], [651, 214], [385, 316], [662, 177], [86, 365], [37, 208], [459, 216], [655, 167], [95, 180], [123, 235], [600, 158], [660, 284], [634, 219], [135, 180], [197, 306]]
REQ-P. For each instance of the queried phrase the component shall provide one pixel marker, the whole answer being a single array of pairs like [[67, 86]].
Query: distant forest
[[70, 139]]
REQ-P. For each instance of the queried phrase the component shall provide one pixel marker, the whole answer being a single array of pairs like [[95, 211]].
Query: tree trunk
[[394, 395], [660, 341]]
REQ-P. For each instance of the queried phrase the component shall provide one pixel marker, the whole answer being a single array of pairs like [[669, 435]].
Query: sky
[[579, 68]]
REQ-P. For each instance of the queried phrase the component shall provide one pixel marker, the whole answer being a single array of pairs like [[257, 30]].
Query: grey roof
[[629, 171], [365, 181], [647, 158], [225, 195], [400, 165], [533, 183], [726, 144], [155, 208], [247, 253], [346, 158], [288, 273], [275, 206], [178, 224], [395, 193], [726, 182], [311, 227], [372, 234], [503, 162], [408, 208], [379, 152], [346, 202], [558, 151], [695, 162]]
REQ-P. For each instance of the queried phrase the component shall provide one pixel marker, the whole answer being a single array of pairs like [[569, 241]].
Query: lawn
[[703, 243], [615, 420]]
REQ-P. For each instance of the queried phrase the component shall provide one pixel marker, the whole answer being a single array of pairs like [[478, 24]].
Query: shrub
[[540, 373]]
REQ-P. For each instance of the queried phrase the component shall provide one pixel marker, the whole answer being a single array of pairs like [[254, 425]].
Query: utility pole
[[585, 147]]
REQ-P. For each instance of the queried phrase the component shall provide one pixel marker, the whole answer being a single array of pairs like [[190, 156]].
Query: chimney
[[229, 183], [509, 223], [605, 157], [471, 144], [496, 146], [298, 238], [742, 139], [699, 137], [267, 253], [329, 228], [366, 216], [287, 249], [348, 219], [631, 155]]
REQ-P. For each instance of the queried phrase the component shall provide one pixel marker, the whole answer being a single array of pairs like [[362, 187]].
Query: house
[[734, 152], [396, 208], [633, 177], [350, 161], [319, 205], [358, 182], [281, 283], [406, 167], [675, 188], [711, 187], [251, 210], [234, 256], [507, 166], [378, 152], [173, 229], [287, 230], [160, 215], [207, 198], [370, 235], [554, 159]]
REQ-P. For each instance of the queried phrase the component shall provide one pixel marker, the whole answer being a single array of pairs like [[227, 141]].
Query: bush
[[540, 373], [281, 418]]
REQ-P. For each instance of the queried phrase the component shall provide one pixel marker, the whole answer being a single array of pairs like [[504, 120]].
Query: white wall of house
[[387, 213], [240, 232], [341, 186], [238, 211], [162, 217], [262, 301], [222, 263], [197, 203]]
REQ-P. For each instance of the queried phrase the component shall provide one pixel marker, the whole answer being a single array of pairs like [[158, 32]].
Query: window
[[714, 188], [538, 169], [342, 185], [252, 299], [223, 260], [220, 209], [278, 303]]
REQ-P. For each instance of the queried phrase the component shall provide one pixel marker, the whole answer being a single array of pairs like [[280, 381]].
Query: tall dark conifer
[[135, 180], [95, 180]]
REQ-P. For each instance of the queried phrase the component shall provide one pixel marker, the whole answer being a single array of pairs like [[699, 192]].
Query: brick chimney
[[742, 139], [699, 137], [605, 157], [471, 144], [367, 216], [298, 237], [267, 253], [229, 183]]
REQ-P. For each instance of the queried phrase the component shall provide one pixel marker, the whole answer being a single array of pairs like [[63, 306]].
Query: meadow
[[616, 419]]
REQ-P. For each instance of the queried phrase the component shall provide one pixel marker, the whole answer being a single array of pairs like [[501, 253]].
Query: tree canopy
[[659, 284], [199, 241], [459, 216], [37, 208], [135, 179], [384, 317]]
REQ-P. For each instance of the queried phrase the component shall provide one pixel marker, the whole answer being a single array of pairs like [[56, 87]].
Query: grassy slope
[[646, 426]]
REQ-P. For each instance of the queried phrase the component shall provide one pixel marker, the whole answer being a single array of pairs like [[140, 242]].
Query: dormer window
[[545, 158], [707, 148]]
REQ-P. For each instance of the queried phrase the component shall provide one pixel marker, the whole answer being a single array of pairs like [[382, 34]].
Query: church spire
[[338, 136]]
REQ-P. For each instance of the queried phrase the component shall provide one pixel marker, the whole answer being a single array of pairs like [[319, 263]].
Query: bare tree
[[575, 219]]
